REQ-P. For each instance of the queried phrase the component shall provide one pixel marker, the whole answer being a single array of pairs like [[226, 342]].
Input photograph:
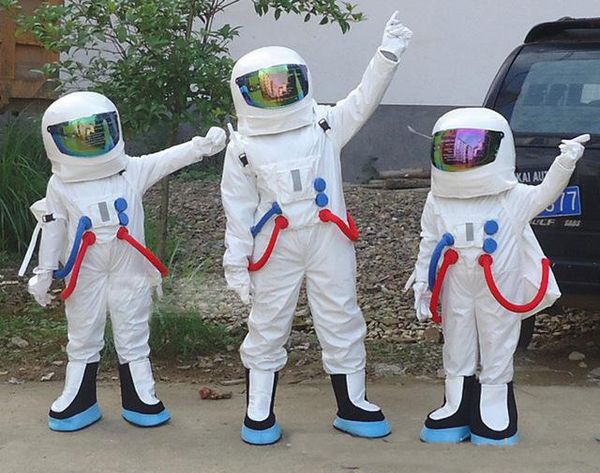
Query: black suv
[[549, 89]]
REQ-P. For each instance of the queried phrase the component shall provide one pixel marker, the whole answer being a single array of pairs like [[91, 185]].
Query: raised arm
[[537, 198], [350, 114], [151, 168], [240, 201]]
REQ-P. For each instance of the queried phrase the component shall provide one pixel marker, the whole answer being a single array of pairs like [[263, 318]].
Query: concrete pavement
[[557, 425]]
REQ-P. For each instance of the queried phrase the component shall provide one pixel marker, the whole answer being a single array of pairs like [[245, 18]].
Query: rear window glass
[[553, 92]]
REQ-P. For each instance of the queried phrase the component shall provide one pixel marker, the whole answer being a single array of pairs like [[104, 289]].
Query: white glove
[[395, 38], [573, 149], [212, 143], [238, 280], [39, 286], [422, 301]]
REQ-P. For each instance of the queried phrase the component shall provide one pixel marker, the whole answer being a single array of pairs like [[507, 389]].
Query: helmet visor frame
[[462, 149], [87, 137], [274, 86]]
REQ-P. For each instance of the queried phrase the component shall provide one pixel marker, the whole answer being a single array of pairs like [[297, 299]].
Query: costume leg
[[494, 416], [130, 304], [341, 328], [77, 406], [276, 289], [450, 423]]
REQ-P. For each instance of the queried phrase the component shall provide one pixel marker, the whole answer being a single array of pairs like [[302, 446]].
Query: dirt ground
[[558, 427]]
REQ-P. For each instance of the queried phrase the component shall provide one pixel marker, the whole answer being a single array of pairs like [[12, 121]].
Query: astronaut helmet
[[272, 92], [83, 137], [473, 154]]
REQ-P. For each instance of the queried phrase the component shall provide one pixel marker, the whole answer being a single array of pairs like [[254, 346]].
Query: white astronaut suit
[[92, 222], [283, 198], [477, 215]]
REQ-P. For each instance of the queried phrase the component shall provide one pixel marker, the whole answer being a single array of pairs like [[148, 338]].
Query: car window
[[553, 90]]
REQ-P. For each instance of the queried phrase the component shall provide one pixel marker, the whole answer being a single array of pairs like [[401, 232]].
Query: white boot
[[260, 426], [77, 407], [356, 415]]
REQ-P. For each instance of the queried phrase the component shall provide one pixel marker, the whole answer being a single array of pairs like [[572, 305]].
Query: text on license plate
[[567, 205]]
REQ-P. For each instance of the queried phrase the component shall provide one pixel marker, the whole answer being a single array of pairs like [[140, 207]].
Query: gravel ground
[[389, 223]]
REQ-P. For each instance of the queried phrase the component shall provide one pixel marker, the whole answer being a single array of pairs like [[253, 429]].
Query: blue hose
[[275, 210], [84, 225], [447, 240]]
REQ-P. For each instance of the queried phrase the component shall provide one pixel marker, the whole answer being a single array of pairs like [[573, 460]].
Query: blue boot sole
[[370, 430], [261, 437], [146, 420], [477, 440], [450, 435], [77, 422]]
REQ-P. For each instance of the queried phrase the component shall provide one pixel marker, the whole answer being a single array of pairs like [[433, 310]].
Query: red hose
[[281, 223], [450, 258], [88, 239], [486, 262], [123, 234], [350, 229]]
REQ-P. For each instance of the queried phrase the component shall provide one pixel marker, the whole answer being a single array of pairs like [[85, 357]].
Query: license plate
[[567, 205]]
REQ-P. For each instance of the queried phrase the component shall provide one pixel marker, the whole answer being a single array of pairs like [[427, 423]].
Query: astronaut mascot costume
[[286, 216], [92, 221], [479, 257]]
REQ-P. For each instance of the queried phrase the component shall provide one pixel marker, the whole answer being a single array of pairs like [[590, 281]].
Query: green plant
[[24, 172], [176, 335], [161, 61]]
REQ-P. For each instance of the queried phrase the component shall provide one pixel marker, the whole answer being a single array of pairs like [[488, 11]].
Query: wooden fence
[[20, 54]]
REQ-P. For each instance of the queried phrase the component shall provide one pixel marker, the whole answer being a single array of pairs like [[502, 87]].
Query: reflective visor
[[275, 86], [464, 148], [87, 137]]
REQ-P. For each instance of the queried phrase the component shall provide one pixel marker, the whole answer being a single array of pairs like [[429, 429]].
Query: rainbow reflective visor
[[275, 86], [462, 149], [87, 137]]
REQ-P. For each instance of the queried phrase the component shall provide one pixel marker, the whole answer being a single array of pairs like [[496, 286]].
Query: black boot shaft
[[346, 408], [129, 397], [86, 396]]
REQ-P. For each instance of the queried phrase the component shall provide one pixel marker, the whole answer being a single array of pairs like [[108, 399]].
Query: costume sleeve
[[240, 199], [429, 240], [349, 115], [54, 229], [147, 170]]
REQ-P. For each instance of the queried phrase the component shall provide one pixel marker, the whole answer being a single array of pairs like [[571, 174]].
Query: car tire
[[527, 328]]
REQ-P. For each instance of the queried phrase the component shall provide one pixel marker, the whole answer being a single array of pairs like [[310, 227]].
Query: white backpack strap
[[30, 249]]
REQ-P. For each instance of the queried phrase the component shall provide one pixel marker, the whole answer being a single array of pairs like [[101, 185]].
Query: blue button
[[320, 184], [123, 219], [121, 204], [322, 200], [491, 227], [490, 245]]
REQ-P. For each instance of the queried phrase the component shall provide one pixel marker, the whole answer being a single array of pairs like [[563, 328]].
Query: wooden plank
[[24, 89], [8, 46]]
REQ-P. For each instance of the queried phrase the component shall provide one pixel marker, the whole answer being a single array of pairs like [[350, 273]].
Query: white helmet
[[473, 154], [83, 137], [272, 92]]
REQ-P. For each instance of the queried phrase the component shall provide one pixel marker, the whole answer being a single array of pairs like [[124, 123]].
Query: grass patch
[[24, 173], [174, 335], [181, 336], [46, 336]]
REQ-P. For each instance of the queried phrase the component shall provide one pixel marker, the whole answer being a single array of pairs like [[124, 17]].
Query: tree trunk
[[163, 212]]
